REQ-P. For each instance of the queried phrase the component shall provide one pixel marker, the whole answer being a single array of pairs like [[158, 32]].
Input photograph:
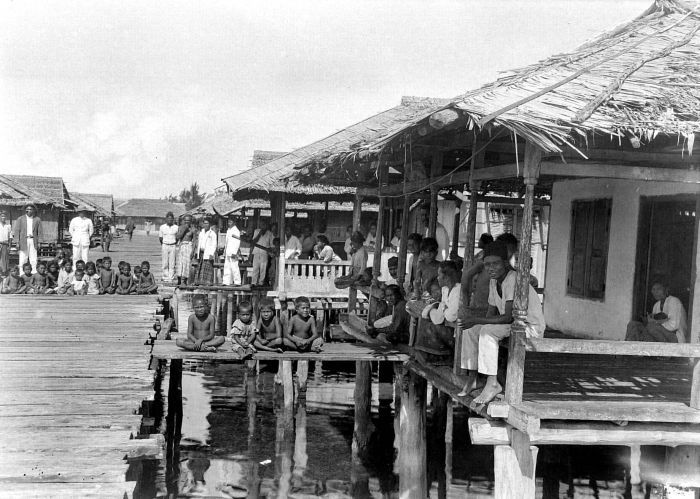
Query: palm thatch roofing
[[86, 203], [276, 175], [149, 208], [13, 193], [105, 202], [50, 188], [261, 157], [224, 205], [640, 80]]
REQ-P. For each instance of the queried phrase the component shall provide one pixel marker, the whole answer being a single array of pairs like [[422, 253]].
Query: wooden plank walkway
[[75, 374], [140, 248]]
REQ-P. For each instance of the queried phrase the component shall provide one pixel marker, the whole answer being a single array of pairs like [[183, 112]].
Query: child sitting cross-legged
[[79, 284], [146, 282], [13, 284], [302, 328], [200, 329], [52, 272], [242, 334], [108, 277], [92, 278], [269, 329], [39, 283], [65, 278]]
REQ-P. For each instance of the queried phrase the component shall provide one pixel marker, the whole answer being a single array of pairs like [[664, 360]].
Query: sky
[[140, 99]]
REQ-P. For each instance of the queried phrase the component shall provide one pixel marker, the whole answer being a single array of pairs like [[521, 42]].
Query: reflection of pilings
[[439, 454], [285, 376], [361, 432], [173, 427], [398, 380], [682, 475], [251, 395], [301, 457], [302, 374], [284, 447], [413, 480]]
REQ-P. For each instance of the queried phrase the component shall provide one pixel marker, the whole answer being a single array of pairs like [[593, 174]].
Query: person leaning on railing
[[359, 263]]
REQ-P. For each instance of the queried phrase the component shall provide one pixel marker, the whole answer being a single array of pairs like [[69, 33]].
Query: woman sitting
[[393, 328], [666, 323]]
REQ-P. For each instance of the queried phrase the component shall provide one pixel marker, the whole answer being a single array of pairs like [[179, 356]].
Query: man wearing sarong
[[186, 235]]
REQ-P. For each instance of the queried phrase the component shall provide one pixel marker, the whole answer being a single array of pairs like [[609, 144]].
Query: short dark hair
[[322, 239], [90, 265], [267, 303], [450, 268], [145, 262], [357, 237], [245, 305], [396, 291], [393, 261], [508, 238], [80, 261], [485, 239], [497, 248], [169, 214], [107, 259], [41, 264], [429, 244], [301, 300], [415, 237]]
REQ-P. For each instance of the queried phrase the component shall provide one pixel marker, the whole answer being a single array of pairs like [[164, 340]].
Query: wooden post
[[398, 384], [378, 243], [516, 352], [359, 476], [413, 470], [285, 372], [175, 305], [284, 448], [694, 325], [302, 374], [283, 242], [229, 312], [514, 468], [435, 170], [455, 227], [403, 245], [357, 213]]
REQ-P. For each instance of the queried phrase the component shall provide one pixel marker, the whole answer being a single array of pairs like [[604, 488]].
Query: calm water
[[238, 441]]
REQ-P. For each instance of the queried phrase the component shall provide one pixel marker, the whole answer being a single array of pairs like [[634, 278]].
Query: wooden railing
[[314, 278]]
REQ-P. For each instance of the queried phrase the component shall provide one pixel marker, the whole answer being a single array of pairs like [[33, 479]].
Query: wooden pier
[[75, 376]]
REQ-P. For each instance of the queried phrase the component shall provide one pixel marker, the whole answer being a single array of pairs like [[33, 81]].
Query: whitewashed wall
[[605, 319]]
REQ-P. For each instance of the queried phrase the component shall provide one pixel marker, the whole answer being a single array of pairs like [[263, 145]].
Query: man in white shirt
[[80, 230], [262, 238], [5, 242], [292, 247], [371, 238], [666, 323], [441, 235], [167, 235], [232, 274]]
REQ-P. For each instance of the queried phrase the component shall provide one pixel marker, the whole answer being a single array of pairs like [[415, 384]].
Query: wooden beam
[[604, 170], [610, 347], [413, 471], [282, 203], [514, 468], [485, 432], [403, 245], [435, 170], [694, 325]]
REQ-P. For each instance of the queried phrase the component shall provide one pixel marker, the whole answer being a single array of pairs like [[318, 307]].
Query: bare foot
[[491, 389], [470, 385], [207, 348]]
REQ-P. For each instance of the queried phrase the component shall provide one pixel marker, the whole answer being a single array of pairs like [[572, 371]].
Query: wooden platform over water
[[75, 374]]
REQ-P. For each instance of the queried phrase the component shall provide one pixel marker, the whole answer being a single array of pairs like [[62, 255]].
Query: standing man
[[232, 274], [81, 230], [262, 238], [130, 228], [106, 234], [168, 238], [5, 241], [186, 235], [28, 232]]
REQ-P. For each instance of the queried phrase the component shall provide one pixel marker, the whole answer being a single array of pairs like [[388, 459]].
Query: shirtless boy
[[13, 283], [125, 283], [302, 328], [108, 277], [79, 285], [242, 334], [200, 329], [39, 283], [146, 282], [427, 269], [269, 329]]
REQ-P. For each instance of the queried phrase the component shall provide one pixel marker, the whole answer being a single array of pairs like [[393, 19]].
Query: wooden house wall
[[606, 318], [51, 220]]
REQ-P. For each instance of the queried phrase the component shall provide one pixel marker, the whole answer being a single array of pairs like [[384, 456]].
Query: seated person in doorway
[[269, 329], [348, 242], [200, 329], [666, 323], [482, 334], [395, 242], [427, 269], [393, 328], [146, 283], [13, 284], [242, 334], [412, 259], [302, 328], [359, 263]]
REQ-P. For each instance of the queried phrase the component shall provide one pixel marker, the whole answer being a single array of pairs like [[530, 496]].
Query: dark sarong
[[205, 273], [4, 258]]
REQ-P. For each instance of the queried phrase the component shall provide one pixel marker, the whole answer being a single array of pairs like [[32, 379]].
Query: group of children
[[88, 278], [249, 335]]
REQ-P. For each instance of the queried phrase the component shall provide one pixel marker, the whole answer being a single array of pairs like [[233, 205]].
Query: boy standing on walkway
[[168, 239]]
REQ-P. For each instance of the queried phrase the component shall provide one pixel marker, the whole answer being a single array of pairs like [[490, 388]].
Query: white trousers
[[80, 252], [28, 256], [168, 253], [259, 268], [480, 347], [232, 274]]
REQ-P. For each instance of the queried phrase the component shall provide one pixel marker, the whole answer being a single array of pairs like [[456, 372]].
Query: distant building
[[103, 203], [142, 210]]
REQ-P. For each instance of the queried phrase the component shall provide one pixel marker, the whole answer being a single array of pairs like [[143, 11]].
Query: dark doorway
[[664, 248]]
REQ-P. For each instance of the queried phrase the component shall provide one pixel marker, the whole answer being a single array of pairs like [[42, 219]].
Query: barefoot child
[[269, 329], [302, 328], [65, 278], [125, 282], [108, 277], [480, 340], [13, 284], [79, 284], [39, 283], [92, 278], [52, 273], [200, 329], [146, 282], [242, 334], [427, 269]]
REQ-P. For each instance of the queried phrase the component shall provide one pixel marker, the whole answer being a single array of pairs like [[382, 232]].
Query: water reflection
[[237, 440]]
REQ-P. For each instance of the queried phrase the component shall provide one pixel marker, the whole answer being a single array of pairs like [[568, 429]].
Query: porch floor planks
[[76, 374]]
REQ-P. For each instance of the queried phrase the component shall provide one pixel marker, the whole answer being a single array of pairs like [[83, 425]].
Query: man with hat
[[28, 233], [81, 230]]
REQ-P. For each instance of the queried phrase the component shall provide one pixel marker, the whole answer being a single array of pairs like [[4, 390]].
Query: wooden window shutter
[[588, 248]]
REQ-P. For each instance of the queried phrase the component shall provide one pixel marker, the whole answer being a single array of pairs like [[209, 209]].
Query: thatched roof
[[275, 175], [640, 80], [87, 202], [13, 193], [51, 188], [262, 157], [105, 202], [150, 208], [224, 205]]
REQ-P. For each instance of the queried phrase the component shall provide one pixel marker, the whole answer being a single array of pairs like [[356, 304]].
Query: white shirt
[[233, 241], [207, 244], [535, 317], [80, 230], [5, 232], [395, 242], [168, 233], [677, 320], [30, 226], [64, 278], [370, 240], [265, 241], [292, 248], [448, 308]]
